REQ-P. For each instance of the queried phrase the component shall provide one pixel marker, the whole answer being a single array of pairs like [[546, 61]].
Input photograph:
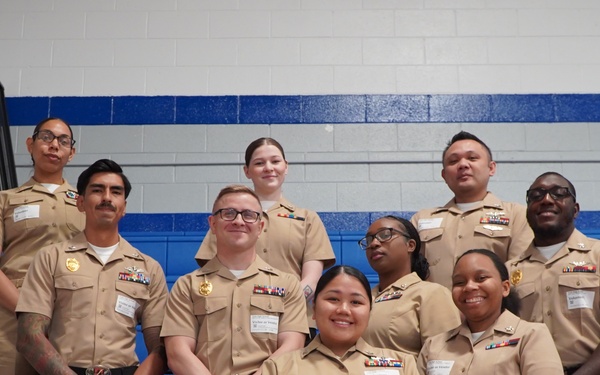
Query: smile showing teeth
[[341, 323], [474, 300]]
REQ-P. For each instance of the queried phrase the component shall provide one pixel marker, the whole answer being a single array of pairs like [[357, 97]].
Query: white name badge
[[126, 306], [439, 367], [580, 299], [26, 212], [382, 372], [429, 223], [264, 324]]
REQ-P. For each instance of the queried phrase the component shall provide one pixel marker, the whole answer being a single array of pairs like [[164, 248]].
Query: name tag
[[126, 306], [382, 372], [429, 223], [580, 299], [438, 367], [264, 324], [26, 212]]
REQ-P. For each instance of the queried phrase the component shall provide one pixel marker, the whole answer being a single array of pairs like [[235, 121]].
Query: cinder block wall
[[114, 48]]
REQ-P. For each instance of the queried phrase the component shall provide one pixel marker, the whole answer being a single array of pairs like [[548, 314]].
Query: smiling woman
[[491, 339], [342, 305], [38, 213]]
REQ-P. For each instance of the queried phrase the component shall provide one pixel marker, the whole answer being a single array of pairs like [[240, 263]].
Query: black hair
[[462, 136], [41, 123], [100, 166], [511, 302], [418, 262], [343, 270], [571, 186], [261, 142]]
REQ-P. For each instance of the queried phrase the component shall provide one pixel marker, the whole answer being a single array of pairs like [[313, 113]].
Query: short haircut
[[261, 142], [462, 136], [102, 166], [343, 270], [571, 186], [235, 189]]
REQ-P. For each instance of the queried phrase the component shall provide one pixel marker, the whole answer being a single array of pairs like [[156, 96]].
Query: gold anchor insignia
[[516, 277], [72, 264]]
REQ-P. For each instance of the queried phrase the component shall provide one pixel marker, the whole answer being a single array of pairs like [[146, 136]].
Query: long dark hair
[[510, 302], [343, 270], [418, 262]]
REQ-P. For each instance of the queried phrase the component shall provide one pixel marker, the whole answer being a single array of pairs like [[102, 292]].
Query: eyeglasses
[[47, 137], [229, 214], [382, 235], [556, 192]]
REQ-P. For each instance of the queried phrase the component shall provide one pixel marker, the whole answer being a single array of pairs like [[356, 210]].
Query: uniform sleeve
[[538, 353], [38, 293], [154, 310], [437, 313], [294, 305], [423, 357], [208, 248], [269, 367], [521, 233], [318, 246], [179, 315], [410, 365]]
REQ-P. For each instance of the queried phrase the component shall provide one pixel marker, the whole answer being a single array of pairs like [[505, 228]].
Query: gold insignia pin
[[205, 288], [516, 277], [72, 264]]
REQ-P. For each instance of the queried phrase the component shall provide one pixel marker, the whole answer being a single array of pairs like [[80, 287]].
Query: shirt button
[[239, 329], [460, 236], [547, 288], [239, 305], [104, 289], [101, 335], [54, 207], [462, 217], [264, 250], [237, 354], [54, 224], [265, 230], [102, 312], [549, 313]]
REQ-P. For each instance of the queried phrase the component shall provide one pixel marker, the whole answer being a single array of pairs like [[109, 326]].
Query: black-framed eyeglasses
[[382, 235], [229, 214], [47, 136], [556, 192]]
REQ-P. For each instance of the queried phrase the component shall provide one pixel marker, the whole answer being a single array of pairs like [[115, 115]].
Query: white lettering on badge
[[429, 223], [26, 212], [580, 299], [382, 372], [264, 324], [126, 306], [438, 367]]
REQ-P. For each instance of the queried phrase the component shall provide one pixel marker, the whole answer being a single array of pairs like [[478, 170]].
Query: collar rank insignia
[[580, 267], [383, 362], [389, 296], [135, 275], [511, 342], [270, 290], [71, 194]]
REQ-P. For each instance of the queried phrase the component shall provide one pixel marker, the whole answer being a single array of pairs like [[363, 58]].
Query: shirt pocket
[[266, 307], [24, 224], [74, 295], [132, 291], [75, 220], [211, 313], [578, 294], [526, 293], [502, 232]]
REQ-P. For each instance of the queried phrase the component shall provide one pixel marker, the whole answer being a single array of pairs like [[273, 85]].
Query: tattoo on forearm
[[33, 344], [308, 292]]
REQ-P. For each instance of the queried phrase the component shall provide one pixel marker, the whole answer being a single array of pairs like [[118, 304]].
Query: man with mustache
[[83, 298], [474, 218], [557, 276]]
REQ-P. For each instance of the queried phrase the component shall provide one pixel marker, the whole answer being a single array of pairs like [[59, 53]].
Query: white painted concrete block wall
[[296, 47]]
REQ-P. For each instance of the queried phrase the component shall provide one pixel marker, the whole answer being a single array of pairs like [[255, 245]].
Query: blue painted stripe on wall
[[300, 109], [334, 221]]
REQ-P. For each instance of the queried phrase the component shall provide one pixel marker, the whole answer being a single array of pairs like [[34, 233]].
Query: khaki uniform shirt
[[567, 301], [531, 352], [408, 312], [95, 308], [30, 218], [236, 325], [316, 358], [447, 232], [285, 243]]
